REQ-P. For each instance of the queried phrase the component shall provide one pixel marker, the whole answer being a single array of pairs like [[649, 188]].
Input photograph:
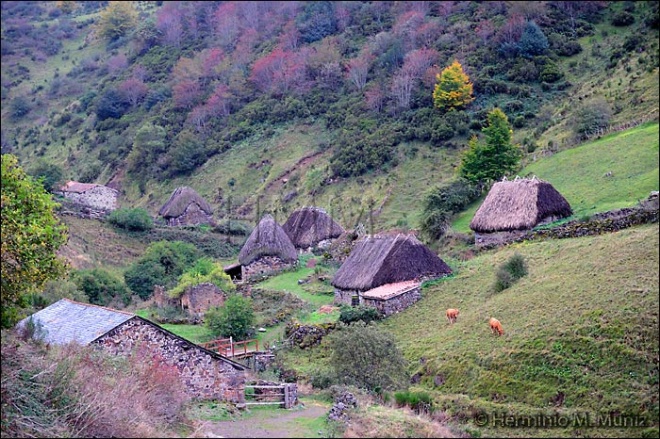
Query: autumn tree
[[494, 158], [116, 20], [148, 146], [31, 235], [453, 88]]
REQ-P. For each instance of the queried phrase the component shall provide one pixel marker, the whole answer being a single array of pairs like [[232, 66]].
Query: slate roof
[[388, 291], [74, 186], [65, 321]]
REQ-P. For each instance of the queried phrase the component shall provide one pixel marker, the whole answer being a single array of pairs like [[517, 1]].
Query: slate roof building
[[205, 374], [90, 195]]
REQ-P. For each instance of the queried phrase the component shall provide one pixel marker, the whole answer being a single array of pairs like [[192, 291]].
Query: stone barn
[[94, 196], [195, 301], [186, 208], [268, 250], [386, 271], [511, 208], [205, 374], [311, 227]]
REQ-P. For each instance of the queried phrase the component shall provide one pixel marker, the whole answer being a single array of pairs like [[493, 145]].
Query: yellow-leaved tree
[[116, 20], [453, 88]]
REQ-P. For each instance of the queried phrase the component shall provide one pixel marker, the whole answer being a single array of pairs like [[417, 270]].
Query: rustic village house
[[311, 227], [94, 196], [186, 208], [386, 271], [511, 208], [267, 250], [205, 374]]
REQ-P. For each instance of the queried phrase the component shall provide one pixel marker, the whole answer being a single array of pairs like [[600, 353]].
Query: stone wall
[[345, 296], [264, 266], [198, 299], [99, 197], [162, 300], [497, 238], [193, 215], [205, 376], [395, 304]]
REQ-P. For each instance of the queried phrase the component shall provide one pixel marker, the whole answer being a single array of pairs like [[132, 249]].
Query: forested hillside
[[266, 106]]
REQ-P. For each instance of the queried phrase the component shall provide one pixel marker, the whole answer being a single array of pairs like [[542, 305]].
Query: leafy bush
[[623, 18], [101, 286], [444, 201], [234, 319], [350, 314], [421, 402], [137, 219], [19, 107], [204, 270], [509, 272], [50, 174], [111, 105], [366, 357], [591, 116]]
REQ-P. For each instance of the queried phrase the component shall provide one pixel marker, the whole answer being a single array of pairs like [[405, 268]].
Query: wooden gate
[[285, 395]]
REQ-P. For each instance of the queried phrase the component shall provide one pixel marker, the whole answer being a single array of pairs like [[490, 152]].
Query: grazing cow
[[452, 314], [496, 326]]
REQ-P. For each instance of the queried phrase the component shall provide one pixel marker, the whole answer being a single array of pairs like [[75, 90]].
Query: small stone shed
[[90, 195], [311, 227], [186, 208], [385, 271], [195, 301], [268, 250], [513, 207], [205, 374]]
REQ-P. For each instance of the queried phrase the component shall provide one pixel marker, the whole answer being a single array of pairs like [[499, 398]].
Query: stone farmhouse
[[386, 271], [205, 374], [311, 227], [514, 207], [186, 207], [268, 250], [94, 196]]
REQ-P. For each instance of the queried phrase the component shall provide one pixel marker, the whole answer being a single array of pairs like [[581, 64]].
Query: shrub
[[623, 18], [19, 107], [350, 314], [444, 201], [137, 219], [101, 286], [509, 272], [234, 319], [204, 270], [420, 402]]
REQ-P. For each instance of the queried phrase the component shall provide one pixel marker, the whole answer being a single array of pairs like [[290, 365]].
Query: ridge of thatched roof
[[267, 239], [308, 226], [181, 198], [385, 259], [520, 204]]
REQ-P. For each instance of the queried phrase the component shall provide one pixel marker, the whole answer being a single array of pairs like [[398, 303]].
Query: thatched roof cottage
[[205, 374], [513, 207], [311, 227], [94, 196], [186, 207], [267, 250], [386, 271]]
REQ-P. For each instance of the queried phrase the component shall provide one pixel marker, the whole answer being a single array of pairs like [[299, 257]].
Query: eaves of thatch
[[267, 239], [386, 259], [519, 204], [181, 198], [308, 226]]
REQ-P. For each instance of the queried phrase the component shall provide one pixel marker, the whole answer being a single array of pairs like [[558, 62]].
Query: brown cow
[[496, 326], [452, 315]]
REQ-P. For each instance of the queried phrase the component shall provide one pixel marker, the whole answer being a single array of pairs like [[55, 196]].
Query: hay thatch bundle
[[310, 225], [520, 204], [181, 198], [385, 259], [267, 239]]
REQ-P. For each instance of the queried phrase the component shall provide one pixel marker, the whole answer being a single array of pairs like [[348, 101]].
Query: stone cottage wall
[[345, 296], [100, 197], [198, 299], [395, 304], [204, 376], [264, 266], [193, 215], [497, 238]]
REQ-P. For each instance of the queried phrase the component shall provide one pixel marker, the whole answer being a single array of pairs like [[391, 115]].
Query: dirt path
[[292, 423]]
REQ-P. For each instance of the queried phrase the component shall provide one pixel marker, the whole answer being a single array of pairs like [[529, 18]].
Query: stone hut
[[385, 271], [268, 250], [186, 208], [311, 227], [511, 208], [205, 374], [195, 300], [94, 196]]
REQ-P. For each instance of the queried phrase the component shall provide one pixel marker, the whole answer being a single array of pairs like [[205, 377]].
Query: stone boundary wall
[[394, 304], [203, 375]]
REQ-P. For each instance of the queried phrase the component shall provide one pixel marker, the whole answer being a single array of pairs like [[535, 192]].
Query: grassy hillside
[[582, 176], [581, 332]]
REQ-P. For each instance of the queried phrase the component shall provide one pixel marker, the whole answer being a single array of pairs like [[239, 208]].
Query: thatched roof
[[310, 225], [385, 259], [267, 239], [520, 204], [181, 198]]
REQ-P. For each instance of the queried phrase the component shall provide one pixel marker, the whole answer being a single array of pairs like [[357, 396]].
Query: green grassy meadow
[[579, 174]]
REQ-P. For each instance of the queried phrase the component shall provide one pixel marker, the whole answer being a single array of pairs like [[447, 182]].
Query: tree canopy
[[31, 235], [453, 88], [116, 20]]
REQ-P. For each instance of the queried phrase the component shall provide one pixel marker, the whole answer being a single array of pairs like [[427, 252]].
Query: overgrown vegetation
[[234, 319], [510, 272]]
